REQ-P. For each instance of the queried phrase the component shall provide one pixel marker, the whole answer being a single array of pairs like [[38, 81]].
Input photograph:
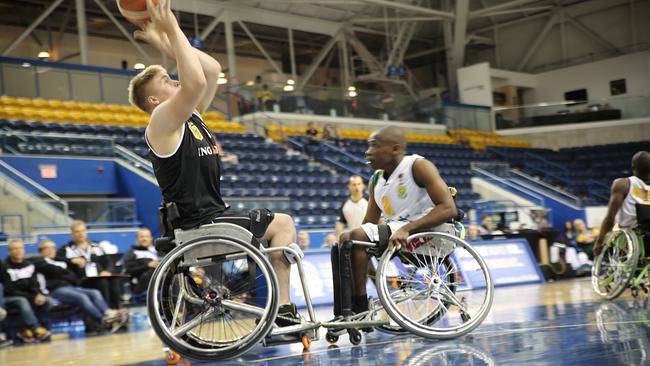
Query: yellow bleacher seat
[[40, 103], [24, 102], [11, 111], [8, 100], [71, 105], [85, 106], [55, 104]]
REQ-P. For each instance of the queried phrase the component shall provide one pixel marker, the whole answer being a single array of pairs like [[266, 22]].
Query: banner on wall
[[510, 262]]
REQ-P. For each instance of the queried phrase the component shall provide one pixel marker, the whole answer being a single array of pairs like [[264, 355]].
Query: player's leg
[[280, 233]]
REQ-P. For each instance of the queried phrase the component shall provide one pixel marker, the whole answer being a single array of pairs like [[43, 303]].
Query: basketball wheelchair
[[623, 262], [214, 294]]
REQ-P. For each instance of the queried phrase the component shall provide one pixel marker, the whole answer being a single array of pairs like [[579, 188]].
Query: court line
[[410, 336]]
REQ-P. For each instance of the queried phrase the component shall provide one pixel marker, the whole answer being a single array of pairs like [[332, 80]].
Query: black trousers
[[110, 287]]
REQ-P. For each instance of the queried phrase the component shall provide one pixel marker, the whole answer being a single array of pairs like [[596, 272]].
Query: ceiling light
[[222, 81], [250, 83], [43, 55], [288, 88], [290, 82], [352, 94], [222, 75], [139, 66], [352, 88]]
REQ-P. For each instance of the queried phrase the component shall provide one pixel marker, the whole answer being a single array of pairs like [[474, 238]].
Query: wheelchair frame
[[308, 330]]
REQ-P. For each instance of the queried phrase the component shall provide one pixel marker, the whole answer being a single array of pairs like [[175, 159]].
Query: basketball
[[135, 11]]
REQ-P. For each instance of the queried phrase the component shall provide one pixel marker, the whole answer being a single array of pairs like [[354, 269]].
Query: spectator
[[4, 342], [227, 157], [331, 134], [486, 225], [23, 292], [312, 137], [473, 232], [330, 240], [303, 240], [585, 238], [567, 236], [63, 285], [90, 263], [141, 261], [353, 209], [265, 98]]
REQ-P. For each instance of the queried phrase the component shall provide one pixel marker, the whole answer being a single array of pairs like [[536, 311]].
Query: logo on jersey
[[401, 192], [195, 131], [641, 193], [388, 209], [208, 150]]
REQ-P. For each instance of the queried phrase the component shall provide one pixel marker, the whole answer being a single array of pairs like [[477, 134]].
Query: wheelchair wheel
[[213, 298], [616, 265], [439, 286]]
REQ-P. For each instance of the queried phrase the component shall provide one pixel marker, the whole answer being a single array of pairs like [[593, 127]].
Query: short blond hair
[[15, 241], [138, 86], [76, 223]]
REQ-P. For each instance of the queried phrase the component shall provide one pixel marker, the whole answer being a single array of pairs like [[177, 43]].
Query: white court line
[[392, 340]]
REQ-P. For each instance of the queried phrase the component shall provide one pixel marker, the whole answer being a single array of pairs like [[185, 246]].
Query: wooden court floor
[[511, 305]]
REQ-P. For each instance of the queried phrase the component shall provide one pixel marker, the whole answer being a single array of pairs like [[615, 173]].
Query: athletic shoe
[[26, 335], [5, 342], [42, 334]]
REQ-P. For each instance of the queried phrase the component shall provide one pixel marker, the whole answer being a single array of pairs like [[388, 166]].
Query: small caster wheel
[[171, 357], [635, 291], [331, 338], [355, 336], [306, 342]]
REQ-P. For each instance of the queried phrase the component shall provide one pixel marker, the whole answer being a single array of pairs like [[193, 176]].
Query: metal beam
[[211, 26], [514, 11], [412, 8], [260, 47], [230, 48], [424, 53], [591, 34], [345, 58], [366, 56], [503, 6], [392, 20], [126, 33], [563, 37], [537, 42], [80, 7], [317, 60], [460, 33], [575, 10], [292, 55], [31, 27]]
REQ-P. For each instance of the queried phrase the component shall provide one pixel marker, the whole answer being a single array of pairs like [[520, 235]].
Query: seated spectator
[[585, 238], [141, 261], [567, 236], [330, 240], [312, 137], [4, 342], [90, 264], [63, 286], [303, 240], [486, 225], [331, 134], [472, 232], [23, 292]]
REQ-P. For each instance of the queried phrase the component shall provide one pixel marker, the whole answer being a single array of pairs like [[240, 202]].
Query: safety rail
[[576, 200], [134, 159]]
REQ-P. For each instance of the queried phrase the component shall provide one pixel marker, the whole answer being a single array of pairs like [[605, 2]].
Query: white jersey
[[352, 213], [639, 193], [399, 198]]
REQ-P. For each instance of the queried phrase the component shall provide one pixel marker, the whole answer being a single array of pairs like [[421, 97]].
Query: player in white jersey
[[627, 195], [409, 193]]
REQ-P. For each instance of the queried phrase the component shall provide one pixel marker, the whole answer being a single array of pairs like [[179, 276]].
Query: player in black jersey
[[184, 153]]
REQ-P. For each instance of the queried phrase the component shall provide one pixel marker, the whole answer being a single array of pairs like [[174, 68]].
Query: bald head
[[391, 135], [641, 165]]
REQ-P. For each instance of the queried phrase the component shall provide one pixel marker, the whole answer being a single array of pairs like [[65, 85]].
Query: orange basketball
[[135, 11]]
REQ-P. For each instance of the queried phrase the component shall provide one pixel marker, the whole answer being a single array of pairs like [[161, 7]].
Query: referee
[[353, 209]]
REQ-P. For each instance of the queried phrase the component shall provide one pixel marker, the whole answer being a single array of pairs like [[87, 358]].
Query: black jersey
[[190, 175]]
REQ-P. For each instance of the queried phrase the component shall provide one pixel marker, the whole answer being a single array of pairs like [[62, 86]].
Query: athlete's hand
[[155, 36], [598, 247], [397, 239], [161, 15]]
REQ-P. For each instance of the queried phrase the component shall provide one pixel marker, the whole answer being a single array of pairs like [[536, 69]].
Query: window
[[617, 87], [579, 95]]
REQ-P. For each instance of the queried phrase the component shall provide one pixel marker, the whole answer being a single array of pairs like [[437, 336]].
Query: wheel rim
[[443, 299], [209, 301], [615, 266]]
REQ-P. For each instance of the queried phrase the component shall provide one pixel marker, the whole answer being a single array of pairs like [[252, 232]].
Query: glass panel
[[85, 87], [53, 83], [19, 81], [114, 88]]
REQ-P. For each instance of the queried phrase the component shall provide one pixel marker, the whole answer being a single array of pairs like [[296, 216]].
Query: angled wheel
[[616, 265], [213, 298], [444, 289]]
